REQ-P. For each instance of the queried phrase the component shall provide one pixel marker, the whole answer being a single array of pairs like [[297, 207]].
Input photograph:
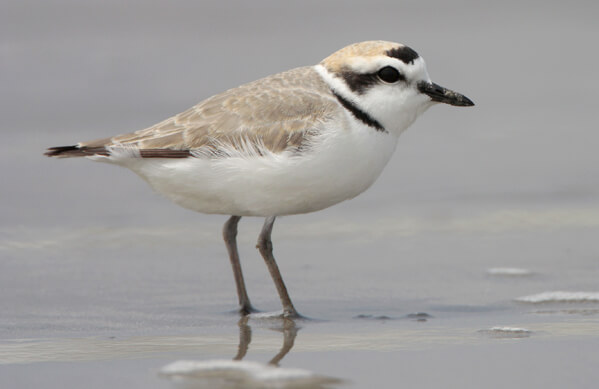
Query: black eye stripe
[[360, 83]]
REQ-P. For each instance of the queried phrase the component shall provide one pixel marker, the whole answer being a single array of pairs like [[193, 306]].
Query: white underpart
[[339, 164]]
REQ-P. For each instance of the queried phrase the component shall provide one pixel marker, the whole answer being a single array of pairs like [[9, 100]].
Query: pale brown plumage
[[278, 111], [338, 61]]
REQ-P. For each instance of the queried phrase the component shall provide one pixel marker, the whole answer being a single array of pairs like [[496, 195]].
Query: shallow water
[[472, 262]]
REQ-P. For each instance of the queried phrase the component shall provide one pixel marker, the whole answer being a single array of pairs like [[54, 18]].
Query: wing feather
[[277, 113]]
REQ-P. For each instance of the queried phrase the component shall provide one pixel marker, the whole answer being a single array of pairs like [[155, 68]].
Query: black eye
[[389, 74]]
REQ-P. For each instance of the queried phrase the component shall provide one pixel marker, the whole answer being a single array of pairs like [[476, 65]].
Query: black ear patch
[[404, 54], [359, 83]]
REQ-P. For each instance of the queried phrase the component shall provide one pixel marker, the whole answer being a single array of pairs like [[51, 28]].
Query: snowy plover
[[290, 143]]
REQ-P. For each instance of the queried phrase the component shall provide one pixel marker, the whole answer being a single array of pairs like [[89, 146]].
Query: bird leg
[[230, 237], [265, 247]]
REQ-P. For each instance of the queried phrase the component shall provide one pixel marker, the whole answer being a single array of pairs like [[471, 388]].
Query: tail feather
[[87, 151], [75, 151]]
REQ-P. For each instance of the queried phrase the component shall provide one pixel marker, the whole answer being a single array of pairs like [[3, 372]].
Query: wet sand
[[113, 312]]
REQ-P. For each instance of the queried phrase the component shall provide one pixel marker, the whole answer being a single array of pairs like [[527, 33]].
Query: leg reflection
[[289, 329], [245, 337], [289, 334]]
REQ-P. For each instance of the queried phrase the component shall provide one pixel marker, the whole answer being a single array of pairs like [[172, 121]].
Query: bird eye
[[389, 74]]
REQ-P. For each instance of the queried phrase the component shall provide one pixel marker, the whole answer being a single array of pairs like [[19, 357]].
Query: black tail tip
[[63, 151]]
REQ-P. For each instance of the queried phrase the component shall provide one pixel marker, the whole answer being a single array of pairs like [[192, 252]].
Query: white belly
[[341, 165]]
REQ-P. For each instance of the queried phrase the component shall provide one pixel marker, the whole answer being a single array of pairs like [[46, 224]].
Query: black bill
[[443, 95]]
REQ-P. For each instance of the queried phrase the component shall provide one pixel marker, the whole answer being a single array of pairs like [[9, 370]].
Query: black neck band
[[359, 114]]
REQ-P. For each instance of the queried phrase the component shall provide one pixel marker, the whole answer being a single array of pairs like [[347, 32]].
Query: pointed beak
[[443, 95]]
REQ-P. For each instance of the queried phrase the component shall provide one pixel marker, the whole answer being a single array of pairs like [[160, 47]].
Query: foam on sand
[[250, 374], [507, 332], [508, 271], [560, 297], [266, 315]]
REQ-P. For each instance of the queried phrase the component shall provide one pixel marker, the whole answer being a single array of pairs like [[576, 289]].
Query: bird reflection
[[289, 329], [240, 374]]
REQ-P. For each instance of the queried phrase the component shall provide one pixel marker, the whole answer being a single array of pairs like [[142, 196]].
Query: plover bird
[[291, 143]]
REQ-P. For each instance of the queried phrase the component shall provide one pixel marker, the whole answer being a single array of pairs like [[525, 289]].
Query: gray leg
[[230, 236], [265, 247]]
